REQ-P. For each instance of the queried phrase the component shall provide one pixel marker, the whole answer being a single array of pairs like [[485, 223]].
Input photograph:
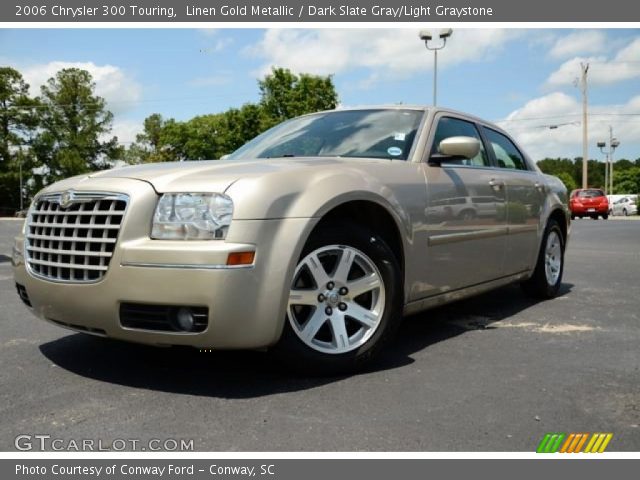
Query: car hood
[[214, 175]]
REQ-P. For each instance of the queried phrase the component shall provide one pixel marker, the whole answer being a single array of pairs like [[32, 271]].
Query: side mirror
[[465, 147]]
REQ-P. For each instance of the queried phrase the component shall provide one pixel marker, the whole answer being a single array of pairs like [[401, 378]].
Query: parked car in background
[[588, 202], [313, 239], [625, 206]]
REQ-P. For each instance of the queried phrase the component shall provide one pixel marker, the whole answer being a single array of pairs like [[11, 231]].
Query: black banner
[[171, 11]]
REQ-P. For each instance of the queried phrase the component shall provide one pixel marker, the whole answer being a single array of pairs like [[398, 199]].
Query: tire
[[573, 217], [625, 213], [547, 276], [337, 343], [594, 217], [605, 216], [467, 215]]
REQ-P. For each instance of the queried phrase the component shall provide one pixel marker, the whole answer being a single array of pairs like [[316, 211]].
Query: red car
[[588, 202]]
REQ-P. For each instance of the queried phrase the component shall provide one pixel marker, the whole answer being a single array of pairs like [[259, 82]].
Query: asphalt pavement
[[492, 373]]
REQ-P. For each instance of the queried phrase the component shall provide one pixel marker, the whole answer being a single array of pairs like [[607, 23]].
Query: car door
[[525, 194], [465, 240]]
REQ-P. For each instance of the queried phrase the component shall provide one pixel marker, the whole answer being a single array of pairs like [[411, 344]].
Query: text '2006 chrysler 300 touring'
[[312, 239]]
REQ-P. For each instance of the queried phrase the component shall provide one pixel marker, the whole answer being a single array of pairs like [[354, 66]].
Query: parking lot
[[493, 373]]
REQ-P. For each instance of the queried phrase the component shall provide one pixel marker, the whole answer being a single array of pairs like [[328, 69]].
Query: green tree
[[626, 181], [568, 180], [207, 137], [17, 124], [74, 122], [286, 95]]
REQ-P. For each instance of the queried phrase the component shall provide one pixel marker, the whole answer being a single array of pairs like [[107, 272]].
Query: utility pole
[[585, 147]]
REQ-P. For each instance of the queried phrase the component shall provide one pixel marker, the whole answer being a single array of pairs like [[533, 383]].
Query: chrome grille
[[71, 236]]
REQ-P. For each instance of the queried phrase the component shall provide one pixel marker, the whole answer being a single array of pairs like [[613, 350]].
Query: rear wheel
[[605, 216], [344, 302], [573, 217], [547, 276]]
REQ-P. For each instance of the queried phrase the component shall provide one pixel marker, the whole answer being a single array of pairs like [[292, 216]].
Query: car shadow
[[248, 374]]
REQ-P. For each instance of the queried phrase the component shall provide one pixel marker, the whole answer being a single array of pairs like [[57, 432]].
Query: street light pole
[[608, 170], [426, 36], [585, 148]]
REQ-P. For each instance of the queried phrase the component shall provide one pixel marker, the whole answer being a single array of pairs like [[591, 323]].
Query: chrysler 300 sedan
[[313, 239]]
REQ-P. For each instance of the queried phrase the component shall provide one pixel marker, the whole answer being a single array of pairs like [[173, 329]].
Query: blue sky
[[522, 76]]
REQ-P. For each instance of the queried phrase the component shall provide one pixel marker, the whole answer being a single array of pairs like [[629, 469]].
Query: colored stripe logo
[[574, 443]]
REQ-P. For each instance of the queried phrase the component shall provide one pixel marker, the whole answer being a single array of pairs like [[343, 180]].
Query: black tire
[[302, 358], [573, 217], [594, 217], [538, 286], [625, 213], [605, 216], [467, 215]]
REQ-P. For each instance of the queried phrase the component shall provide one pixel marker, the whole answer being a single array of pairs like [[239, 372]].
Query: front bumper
[[246, 305]]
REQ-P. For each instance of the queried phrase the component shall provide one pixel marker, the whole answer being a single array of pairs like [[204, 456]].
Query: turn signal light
[[241, 258]]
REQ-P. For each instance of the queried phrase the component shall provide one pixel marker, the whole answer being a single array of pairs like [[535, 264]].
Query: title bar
[[171, 11]]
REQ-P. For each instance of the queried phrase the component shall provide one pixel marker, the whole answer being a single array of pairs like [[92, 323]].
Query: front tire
[[547, 276], [345, 302]]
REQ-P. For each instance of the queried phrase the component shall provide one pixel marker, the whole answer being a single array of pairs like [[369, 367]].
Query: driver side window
[[454, 127]]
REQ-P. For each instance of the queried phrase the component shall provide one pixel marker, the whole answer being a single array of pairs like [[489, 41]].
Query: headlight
[[192, 216]]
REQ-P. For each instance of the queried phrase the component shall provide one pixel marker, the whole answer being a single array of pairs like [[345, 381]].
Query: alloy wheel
[[336, 300]]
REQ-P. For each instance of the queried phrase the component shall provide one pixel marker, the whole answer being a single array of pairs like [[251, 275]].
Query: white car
[[625, 206]]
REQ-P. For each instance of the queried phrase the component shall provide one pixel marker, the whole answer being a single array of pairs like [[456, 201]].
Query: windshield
[[383, 133]]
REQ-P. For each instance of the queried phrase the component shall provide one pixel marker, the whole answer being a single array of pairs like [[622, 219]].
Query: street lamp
[[426, 36], [608, 167]]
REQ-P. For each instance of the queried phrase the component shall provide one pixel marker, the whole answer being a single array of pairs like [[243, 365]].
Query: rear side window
[[454, 127], [507, 155]]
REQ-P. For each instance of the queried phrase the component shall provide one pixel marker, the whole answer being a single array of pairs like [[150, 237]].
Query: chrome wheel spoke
[[362, 315], [339, 329], [363, 284], [310, 329], [317, 270], [303, 297], [344, 265]]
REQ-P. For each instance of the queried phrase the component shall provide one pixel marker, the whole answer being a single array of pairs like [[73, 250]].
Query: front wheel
[[547, 276], [344, 302]]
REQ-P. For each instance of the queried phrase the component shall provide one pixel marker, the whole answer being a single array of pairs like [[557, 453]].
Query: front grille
[[71, 236]]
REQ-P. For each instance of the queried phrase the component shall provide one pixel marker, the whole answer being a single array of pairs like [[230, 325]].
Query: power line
[[524, 119]]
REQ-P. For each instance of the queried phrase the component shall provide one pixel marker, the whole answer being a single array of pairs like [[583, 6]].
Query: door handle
[[496, 184], [539, 186]]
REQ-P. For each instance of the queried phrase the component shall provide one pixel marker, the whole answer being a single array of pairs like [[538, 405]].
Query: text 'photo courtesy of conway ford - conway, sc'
[[313, 239]]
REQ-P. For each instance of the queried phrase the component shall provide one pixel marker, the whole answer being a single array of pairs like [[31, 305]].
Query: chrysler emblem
[[66, 199]]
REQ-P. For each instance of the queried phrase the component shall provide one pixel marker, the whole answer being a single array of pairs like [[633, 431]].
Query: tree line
[[66, 129], [626, 173]]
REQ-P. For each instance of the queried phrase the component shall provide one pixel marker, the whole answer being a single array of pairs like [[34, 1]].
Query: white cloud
[[530, 125], [390, 52], [120, 91], [125, 130], [579, 43], [625, 65]]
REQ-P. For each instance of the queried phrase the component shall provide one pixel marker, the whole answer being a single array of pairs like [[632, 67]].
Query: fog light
[[185, 320]]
